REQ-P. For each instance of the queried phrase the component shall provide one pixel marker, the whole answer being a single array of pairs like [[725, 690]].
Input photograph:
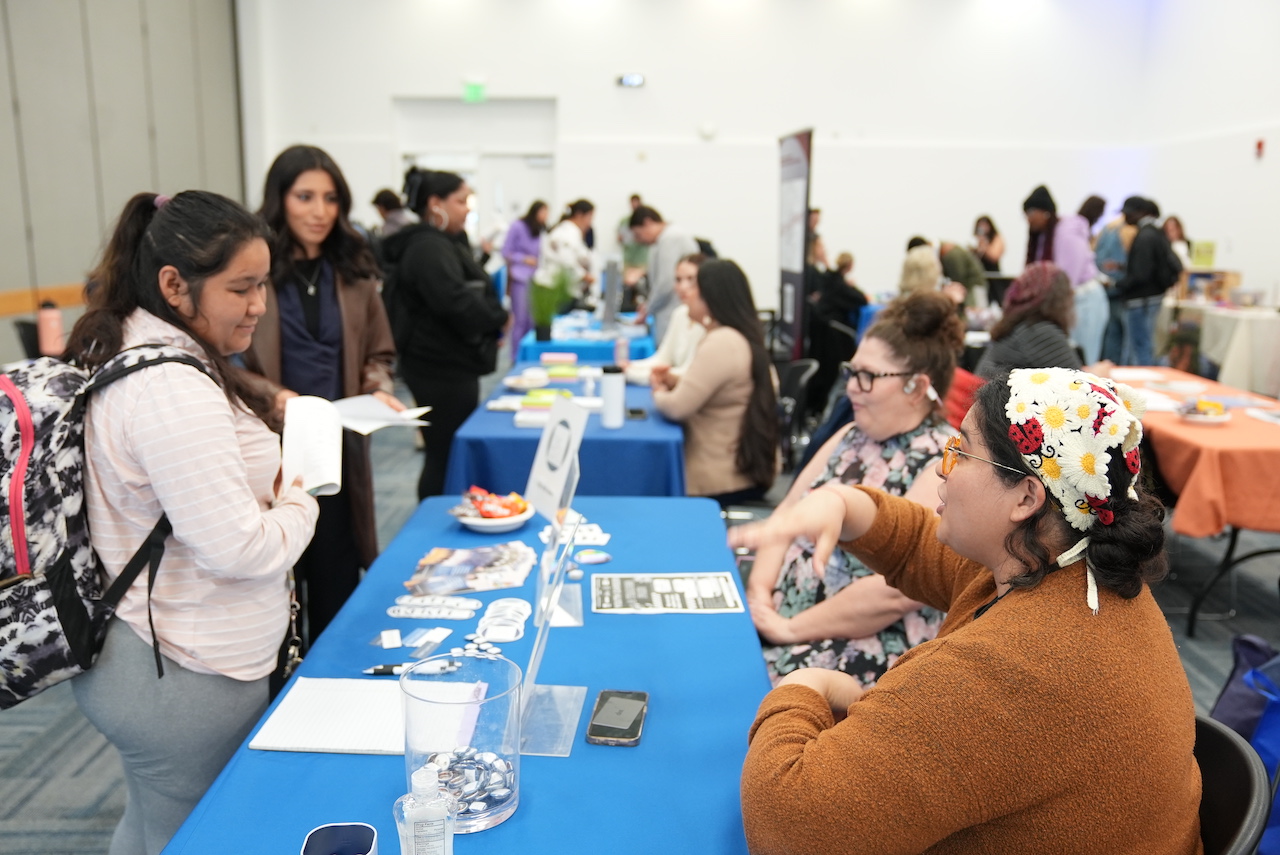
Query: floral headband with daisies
[[1067, 424]]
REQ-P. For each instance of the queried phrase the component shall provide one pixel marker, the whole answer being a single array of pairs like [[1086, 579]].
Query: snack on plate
[[1203, 407], [478, 502]]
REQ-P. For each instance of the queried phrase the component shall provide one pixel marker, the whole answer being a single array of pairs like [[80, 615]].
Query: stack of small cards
[[589, 534]]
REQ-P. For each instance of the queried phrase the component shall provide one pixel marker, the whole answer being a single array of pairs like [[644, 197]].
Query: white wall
[[105, 100], [926, 113], [1213, 91]]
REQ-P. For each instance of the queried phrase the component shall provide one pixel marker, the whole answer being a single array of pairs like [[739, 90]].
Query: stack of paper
[[341, 716]]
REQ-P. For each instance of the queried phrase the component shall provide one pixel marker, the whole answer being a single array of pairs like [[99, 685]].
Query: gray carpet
[[60, 782]]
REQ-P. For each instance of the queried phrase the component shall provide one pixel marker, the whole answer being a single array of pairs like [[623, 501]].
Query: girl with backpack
[[188, 272]]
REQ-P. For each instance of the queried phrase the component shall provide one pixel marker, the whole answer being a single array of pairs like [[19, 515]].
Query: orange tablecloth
[[1224, 475]]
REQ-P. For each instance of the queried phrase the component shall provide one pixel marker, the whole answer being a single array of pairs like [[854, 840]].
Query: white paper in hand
[[312, 445], [365, 414]]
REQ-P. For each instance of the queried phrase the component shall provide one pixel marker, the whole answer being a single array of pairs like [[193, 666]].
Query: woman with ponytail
[[447, 315], [188, 272], [726, 398]]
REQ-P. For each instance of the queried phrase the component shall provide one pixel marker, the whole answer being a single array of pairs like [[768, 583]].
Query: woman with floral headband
[[1051, 713]]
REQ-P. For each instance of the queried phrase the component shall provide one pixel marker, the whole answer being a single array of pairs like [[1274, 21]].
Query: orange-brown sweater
[[1038, 727]]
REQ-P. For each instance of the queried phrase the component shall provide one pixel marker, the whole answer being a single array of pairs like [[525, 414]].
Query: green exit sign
[[473, 93]]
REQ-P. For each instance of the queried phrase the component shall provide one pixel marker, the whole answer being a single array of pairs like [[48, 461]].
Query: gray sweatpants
[[174, 734]]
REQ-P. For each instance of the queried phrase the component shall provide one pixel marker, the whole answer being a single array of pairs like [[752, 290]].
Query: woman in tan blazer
[[324, 333]]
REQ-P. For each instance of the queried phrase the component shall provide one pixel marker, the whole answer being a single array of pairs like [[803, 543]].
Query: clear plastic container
[[462, 724]]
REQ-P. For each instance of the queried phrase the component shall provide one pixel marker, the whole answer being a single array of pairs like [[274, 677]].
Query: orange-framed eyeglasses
[[951, 454]]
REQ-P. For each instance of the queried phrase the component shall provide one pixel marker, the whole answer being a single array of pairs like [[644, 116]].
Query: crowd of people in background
[[298, 300]]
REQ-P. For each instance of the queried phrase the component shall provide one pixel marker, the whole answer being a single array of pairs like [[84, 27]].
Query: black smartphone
[[618, 718], [637, 413]]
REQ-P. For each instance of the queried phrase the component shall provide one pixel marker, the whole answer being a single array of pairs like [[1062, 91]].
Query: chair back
[[29, 338], [499, 279], [844, 341], [769, 328], [793, 391], [866, 317], [960, 396], [1235, 798]]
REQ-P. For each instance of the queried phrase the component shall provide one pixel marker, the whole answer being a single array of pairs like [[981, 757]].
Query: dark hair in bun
[[924, 331], [420, 185]]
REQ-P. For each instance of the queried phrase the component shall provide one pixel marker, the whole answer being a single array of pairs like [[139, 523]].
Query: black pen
[[387, 670]]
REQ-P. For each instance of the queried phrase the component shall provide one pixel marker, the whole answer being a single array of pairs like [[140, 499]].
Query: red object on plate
[[493, 506]]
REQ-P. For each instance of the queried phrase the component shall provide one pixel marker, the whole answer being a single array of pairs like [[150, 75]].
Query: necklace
[[311, 281]]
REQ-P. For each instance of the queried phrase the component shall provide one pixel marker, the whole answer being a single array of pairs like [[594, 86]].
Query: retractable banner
[[795, 153]]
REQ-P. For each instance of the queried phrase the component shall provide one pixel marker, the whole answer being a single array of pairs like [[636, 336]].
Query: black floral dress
[[892, 466]]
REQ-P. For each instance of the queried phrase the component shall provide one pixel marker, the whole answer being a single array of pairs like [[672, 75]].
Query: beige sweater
[[1038, 727], [710, 400]]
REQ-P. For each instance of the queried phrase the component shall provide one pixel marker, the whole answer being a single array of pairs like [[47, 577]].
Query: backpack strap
[[152, 548], [119, 365], [149, 553]]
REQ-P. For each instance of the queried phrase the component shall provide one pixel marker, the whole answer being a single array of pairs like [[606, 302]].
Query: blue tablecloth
[[677, 791], [588, 349], [642, 458]]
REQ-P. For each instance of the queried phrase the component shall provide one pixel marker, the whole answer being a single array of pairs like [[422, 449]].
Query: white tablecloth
[[1245, 344]]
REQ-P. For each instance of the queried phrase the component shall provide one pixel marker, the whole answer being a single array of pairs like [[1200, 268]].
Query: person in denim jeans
[[1112, 257], [1151, 270]]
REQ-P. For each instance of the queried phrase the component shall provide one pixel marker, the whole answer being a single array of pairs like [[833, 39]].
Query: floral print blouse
[[892, 466]]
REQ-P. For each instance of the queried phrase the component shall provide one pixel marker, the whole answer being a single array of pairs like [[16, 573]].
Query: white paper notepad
[[353, 716]]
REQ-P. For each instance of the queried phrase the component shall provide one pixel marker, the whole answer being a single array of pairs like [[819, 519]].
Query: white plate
[[524, 382], [1206, 419], [497, 525]]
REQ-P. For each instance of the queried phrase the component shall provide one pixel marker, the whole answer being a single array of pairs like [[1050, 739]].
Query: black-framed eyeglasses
[[951, 453], [867, 379]]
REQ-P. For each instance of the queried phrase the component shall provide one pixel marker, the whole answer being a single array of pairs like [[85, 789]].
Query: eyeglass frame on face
[[851, 373], [951, 455]]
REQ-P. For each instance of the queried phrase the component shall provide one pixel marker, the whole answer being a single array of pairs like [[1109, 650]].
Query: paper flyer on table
[[664, 593], [1269, 416], [1158, 402], [354, 716], [1124, 374], [448, 571]]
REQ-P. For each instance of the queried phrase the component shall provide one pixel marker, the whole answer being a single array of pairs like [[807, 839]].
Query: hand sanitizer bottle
[[426, 816]]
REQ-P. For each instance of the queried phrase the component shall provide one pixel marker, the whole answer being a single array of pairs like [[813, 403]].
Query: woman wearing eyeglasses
[[842, 616], [1051, 713]]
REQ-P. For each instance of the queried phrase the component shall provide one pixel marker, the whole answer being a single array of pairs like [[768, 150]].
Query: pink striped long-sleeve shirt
[[166, 440]]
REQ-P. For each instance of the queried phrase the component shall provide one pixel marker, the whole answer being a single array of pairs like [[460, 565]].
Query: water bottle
[[49, 329], [613, 391], [621, 351]]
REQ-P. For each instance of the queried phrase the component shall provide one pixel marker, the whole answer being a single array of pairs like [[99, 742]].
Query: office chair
[[793, 392], [29, 338], [1235, 801]]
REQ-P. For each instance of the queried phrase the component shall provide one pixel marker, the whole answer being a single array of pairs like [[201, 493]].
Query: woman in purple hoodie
[[521, 250]]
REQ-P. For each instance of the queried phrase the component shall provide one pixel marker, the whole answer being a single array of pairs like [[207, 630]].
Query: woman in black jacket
[[445, 313]]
